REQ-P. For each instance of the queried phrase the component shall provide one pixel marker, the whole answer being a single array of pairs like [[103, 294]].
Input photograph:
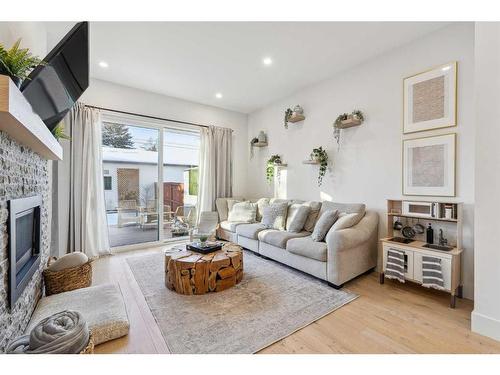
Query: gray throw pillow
[[297, 216], [313, 215], [261, 203], [274, 215], [324, 224]]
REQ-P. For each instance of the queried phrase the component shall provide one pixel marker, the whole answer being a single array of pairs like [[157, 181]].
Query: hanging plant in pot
[[346, 120], [288, 114], [17, 63], [271, 163], [320, 155]]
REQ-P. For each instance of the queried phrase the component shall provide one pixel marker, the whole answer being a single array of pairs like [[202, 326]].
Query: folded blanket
[[395, 265], [63, 333]]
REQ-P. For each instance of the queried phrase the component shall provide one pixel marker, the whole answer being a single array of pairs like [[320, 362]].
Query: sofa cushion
[[279, 238], [250, 230], [243, 211], [261, 203], [102, 307], [350, 208], [345, 221], [274, 215], [296, 217], [313, 215], [324, 224], [221, 205], [231, 225], [308, 248]]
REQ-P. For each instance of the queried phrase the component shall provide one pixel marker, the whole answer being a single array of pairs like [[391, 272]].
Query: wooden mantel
[[19, 121]]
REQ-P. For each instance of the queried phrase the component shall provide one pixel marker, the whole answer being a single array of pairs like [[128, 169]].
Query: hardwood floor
[[389, 318]]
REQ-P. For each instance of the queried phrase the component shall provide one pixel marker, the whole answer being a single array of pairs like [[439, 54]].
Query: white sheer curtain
[[88, 231], [215, 166]]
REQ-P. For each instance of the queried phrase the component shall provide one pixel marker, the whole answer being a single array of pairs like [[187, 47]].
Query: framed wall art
[[429, 166], [430, 99]]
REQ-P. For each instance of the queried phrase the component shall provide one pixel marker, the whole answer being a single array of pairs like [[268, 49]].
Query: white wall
[[486, 314], [368, 166]]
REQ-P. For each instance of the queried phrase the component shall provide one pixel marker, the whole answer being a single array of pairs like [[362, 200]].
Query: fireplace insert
[[24, 243]]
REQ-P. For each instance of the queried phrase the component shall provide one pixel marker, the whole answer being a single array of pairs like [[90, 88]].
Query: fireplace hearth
[[24, 243]]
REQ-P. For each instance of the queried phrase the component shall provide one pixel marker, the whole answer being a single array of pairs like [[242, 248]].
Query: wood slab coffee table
[[188, 272]]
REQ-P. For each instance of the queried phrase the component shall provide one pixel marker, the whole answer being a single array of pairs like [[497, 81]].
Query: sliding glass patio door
[[148, 201]]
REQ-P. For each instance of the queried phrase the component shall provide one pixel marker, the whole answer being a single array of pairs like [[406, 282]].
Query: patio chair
[[149, 214], [127, 212]]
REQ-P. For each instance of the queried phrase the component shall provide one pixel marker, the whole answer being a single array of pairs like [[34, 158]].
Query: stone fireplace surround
[[23, 173]]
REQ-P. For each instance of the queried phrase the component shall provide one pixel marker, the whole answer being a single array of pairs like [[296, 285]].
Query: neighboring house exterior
[[133, 173]]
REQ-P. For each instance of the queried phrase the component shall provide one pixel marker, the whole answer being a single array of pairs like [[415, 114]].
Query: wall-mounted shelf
[[260, 144], [349, 123], [423, 218], [281, 165], [313, 162], [19, 121], [296, 118]]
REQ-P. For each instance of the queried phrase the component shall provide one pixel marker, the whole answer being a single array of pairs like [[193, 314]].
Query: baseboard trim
[[485, 325]]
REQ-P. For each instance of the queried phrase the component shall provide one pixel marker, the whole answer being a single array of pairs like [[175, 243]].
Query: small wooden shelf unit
[[296, 118], [260, 144], [349, 123], [413, 251]]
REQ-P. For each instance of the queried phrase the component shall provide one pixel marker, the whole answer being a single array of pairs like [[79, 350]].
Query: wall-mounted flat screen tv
[[55, 85]]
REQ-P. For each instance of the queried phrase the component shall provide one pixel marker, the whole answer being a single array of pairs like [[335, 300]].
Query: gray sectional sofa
[[345, 253]]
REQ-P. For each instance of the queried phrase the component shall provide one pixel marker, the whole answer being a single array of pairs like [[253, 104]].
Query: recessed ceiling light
[[218, 95], [103, 64], [267, 61], [445, 68]]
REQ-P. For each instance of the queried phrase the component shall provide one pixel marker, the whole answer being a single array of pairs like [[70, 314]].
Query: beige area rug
[[271, 302]]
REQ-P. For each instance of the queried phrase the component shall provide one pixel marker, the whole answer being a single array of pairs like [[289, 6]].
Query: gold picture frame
[[430, 99], [429, 166]]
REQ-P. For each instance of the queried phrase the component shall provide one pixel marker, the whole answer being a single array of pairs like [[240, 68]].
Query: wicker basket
[[67, 279], [89, 349]]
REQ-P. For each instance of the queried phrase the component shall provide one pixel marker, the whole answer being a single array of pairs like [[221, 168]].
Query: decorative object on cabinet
[[429, 166], [430, 99], [421, 256], [260, 141], [17, 63], [273, 162], [345, 121], [320, 157], [295, 115]]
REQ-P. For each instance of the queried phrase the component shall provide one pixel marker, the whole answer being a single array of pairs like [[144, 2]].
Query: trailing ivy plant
[[288, 114], [271, 163], [320, 155], [17, 62]]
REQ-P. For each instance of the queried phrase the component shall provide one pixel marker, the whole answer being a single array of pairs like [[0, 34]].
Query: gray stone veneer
[[22, 173]]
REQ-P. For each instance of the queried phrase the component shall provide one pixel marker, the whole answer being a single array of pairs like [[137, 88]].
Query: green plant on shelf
[[271, 163], [320, 155], [17, 63], [58, 132]]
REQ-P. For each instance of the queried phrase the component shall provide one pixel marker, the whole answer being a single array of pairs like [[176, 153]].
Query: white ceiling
[[194, 60]]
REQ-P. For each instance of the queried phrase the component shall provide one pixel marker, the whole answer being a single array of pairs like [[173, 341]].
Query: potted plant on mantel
[[17, 63]]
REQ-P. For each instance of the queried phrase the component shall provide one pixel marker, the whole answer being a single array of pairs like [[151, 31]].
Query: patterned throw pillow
[[243, 212], [274, 216], [324, 224], [296, 218], [231, 203]]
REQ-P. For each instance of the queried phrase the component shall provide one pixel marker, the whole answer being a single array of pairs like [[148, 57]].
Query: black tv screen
[[55, 85]]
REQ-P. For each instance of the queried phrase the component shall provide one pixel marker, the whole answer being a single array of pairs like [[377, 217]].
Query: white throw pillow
[[243, 212], [345, 221], [261, 203], [231, 203], [69, 261], [274, 216]]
